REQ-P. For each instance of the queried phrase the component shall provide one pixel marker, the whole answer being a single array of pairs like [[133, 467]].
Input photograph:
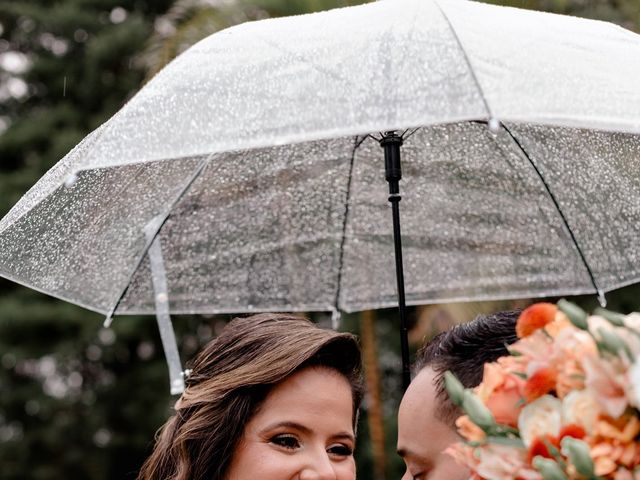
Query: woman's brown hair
[[228, 382]]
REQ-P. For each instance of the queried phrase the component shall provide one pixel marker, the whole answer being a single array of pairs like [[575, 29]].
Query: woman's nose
[[320, 467]]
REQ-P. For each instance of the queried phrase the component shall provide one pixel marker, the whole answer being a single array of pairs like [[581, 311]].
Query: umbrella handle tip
[[108, 321]]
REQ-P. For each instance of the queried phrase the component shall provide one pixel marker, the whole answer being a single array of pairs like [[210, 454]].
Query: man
[[426, 419]]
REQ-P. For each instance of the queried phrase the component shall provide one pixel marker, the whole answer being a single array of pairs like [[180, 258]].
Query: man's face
[[422, 437]]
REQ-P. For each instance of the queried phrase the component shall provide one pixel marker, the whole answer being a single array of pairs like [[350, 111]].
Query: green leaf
[[578, 453], [507, 441], [477, 411], [612, 342], [574, 313], [614, 318], [548, 468], [454, 388]]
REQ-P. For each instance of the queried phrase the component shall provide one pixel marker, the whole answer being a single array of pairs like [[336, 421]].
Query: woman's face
[[302, 431]]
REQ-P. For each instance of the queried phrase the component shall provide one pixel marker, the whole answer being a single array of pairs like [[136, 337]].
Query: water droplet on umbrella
[[71, 180]]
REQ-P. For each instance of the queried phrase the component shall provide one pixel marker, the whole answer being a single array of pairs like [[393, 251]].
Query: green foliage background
[[76, 400]]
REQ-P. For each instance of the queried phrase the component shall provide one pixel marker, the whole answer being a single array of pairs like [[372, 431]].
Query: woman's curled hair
[[230, 379]]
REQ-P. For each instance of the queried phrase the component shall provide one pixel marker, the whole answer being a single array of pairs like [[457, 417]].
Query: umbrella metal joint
[[391, 143]]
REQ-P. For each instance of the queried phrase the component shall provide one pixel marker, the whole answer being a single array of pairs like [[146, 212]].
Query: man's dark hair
[[464, 349]]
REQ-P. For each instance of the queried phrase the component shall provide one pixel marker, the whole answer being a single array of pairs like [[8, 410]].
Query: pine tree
[[65, 67]]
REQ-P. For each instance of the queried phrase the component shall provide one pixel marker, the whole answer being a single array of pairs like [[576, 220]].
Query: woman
[[273, 397]]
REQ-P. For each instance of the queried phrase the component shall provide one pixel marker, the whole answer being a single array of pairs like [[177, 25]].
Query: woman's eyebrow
[[288, 424], [344, 435]]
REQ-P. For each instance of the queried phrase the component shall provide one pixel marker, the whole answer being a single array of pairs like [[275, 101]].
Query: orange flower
[[623, 474], [572, 430], [540, 446], [609, 456], [535, 317], [539, 418], [622, 430], [614, 444], [604, 466], [469, 430], [494, 461], [506, 402], [540, 383], [607, 383], [513, 365], [502, 393], [571, 376], [579, 407], [570, 347], [559, 325]]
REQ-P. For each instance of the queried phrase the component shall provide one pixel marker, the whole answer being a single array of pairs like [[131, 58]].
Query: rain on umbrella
[[248, 174]]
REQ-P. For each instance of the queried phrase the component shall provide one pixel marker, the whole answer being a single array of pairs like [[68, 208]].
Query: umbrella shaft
[[404, 332], [391, 143]]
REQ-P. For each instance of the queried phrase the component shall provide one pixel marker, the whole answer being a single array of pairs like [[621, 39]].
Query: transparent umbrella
[[248, 174]]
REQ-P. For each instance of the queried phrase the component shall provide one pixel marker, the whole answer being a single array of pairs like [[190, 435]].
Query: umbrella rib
[[598, 290], [466, 58], [359, 142], [356, 144], [404, 138], [152, 237]]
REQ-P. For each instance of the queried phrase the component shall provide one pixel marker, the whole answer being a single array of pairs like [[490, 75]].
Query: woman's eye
[[341, 450], [287, 441]]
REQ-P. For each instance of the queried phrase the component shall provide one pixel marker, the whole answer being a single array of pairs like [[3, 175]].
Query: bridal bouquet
[[563, 405]]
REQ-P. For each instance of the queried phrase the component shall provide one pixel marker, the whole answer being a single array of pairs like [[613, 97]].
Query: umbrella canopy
[[248, 145], [307, 227], [248, 159]]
